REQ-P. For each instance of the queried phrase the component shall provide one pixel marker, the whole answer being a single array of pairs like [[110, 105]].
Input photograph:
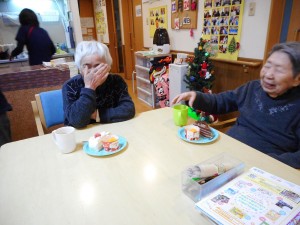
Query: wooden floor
[[139, 105]]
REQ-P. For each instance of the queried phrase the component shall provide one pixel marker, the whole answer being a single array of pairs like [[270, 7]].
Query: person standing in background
[[39, 45], [5, 133]]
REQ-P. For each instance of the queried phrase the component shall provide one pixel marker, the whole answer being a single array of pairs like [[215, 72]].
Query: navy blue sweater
[[111, 99], [271, 125], [39, 45]]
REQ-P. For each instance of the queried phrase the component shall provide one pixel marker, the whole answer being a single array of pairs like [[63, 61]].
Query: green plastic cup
[[180, 115]]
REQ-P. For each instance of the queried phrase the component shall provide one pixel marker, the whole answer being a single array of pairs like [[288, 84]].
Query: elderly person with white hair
[[95, 95]]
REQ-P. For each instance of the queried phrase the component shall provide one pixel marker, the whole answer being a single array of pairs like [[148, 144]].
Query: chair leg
[[37, 118]]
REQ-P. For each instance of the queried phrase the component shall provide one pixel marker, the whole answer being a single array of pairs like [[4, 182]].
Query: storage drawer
[[143, 61], [144, 84], [145, 96], [142, 72]]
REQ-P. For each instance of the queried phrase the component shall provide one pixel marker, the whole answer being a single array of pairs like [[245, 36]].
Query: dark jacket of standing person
[[39, 45], [5, 134]]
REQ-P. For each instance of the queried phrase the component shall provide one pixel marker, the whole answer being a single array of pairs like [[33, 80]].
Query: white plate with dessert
[[198, 133], [103, 144]]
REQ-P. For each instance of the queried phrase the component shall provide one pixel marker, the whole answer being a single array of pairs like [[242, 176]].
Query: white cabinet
[[176, 77], [145, 90]]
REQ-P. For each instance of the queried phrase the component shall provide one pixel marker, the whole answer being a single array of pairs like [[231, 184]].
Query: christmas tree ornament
[[192, 78], [207, 75]]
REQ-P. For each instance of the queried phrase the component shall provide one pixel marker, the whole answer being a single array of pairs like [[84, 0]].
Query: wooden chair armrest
[[37, 118], [225, 123]]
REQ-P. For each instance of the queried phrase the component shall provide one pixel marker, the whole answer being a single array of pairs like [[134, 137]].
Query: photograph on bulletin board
[[158, 19], [184, 14], [222, 25]]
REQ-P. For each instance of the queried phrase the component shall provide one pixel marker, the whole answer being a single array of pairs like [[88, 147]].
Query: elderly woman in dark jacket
[[95, 95]]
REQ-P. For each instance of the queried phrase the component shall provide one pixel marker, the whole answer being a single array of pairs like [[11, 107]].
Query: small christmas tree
[[232, 45], [200, 76]]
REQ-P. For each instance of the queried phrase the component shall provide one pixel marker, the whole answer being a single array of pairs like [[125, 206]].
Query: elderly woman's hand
[[186, 96], [94, 77]]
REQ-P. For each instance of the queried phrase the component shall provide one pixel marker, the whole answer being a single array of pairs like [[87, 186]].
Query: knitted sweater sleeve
[[216, 103], [79, 103]]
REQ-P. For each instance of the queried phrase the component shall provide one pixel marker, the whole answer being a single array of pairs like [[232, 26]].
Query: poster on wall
[[100, 24], [158, 19], [87, 28], [99, 4], [138, 11], [100, 21], [222, 26], [86, 22]]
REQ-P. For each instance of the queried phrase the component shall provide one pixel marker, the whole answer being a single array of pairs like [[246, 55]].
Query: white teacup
[[64, 138]]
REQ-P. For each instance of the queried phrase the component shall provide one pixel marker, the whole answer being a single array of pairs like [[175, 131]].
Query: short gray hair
[[87, 48], [292, 49]]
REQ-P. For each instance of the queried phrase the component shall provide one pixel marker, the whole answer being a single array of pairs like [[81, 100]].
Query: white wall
[[253, 36]]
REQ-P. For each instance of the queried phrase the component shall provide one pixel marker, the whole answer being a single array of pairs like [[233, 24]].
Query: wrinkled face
[[276, 76], [91, 62]]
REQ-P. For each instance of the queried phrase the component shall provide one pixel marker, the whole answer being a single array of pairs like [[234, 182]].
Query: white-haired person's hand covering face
[[94, 62]]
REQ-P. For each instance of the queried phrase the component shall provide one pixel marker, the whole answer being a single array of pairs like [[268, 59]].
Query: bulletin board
[[222, 26], [184, 14]]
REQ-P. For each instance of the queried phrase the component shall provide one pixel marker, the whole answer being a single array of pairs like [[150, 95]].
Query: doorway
[[115, 35], [293, 33], [284, 24], [118, 36], [124, 11]]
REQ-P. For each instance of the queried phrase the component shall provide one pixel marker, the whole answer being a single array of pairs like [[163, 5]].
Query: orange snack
[[111, 143]]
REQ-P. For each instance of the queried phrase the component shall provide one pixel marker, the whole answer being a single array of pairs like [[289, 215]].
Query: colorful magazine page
[[255, 197]]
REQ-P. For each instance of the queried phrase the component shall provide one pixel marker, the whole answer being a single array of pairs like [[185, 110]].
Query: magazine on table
[[255, 197]]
